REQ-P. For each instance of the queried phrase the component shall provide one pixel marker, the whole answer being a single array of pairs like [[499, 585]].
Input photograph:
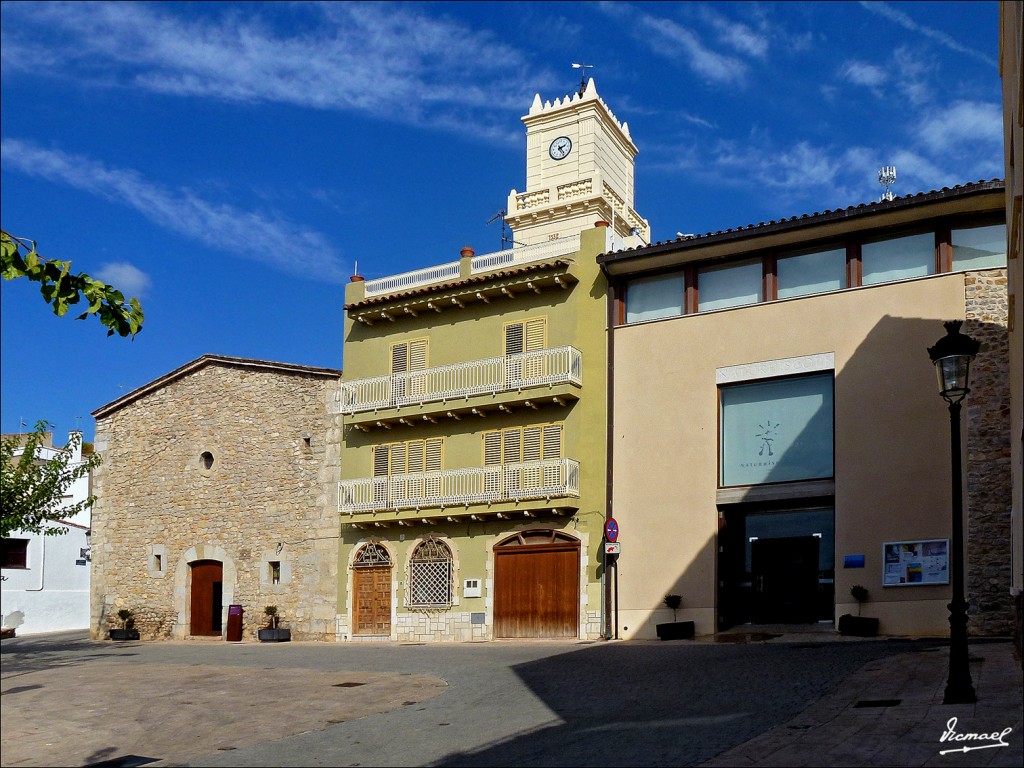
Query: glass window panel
[[979, 247], [898, 259], [776, 431], [777, 525], [731, 285], [806, 273], [650, 298]]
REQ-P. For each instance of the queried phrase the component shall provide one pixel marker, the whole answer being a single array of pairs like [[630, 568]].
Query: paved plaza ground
[[765, 699]]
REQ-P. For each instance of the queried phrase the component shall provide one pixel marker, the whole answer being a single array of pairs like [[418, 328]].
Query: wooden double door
[[372, 600], [537, 585]]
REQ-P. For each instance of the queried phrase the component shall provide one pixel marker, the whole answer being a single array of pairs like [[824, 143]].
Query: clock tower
[[579, 169]]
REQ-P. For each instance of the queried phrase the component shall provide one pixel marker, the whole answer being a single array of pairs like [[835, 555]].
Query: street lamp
[[952, 356]]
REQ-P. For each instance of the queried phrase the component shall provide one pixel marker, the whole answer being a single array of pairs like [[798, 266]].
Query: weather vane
[[886, 177], [583, 75]]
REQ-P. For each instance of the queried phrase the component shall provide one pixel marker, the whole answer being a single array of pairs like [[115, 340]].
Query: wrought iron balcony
[[459, 381], [546, 479]]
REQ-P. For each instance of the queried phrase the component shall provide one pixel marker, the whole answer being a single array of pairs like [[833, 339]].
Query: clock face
[[560, 148]]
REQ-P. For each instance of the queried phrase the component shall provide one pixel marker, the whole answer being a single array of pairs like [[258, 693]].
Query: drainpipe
[[42, 565]]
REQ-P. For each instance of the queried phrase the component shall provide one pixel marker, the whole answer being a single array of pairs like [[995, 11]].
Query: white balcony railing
[[460, 487], [545, 367], [414, 279], [482, 263], [526, 254]]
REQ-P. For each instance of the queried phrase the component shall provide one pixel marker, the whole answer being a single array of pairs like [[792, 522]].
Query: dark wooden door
[[372, 600], [207, 586], [785, 576], [536, 591]]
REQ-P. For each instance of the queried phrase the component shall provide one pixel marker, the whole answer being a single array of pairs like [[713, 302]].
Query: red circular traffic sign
[[611, 529]]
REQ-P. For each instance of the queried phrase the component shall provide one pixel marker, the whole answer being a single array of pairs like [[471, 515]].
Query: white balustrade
[[460, 487], [526, 254], [544, 367], [414, 279]]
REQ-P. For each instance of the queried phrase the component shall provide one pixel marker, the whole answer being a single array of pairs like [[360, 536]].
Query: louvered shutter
[[532, 443], [417, 354], [415, 456], [553, 450], [535, 334], [432, 463], [514, 342], [492, 459], [511, 446], [399, 358], [381, 466]]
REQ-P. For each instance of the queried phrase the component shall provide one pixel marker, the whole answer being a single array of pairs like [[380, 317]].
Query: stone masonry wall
[[988, 456], [270, 496]]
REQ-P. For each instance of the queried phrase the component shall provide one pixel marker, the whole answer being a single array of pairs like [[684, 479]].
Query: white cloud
[[862, 73], [128, 279], [390, 61], [674, 41], [962, 123], [262, 237], [737, 35], [905, 21]]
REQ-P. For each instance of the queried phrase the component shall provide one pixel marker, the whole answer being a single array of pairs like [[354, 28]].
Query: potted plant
[[858, 626], [273, 632], [675, 630], [127, 630]]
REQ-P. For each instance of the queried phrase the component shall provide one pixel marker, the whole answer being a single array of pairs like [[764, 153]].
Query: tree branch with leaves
[[61, 289], [32, 489]]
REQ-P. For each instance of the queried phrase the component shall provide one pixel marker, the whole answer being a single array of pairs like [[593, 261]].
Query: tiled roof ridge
[[979, 185]]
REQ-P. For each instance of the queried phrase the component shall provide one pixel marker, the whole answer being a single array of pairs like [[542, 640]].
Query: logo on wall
[[769, 432]]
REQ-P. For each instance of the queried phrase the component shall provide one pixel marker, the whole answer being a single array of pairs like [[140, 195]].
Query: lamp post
[[952, 356]]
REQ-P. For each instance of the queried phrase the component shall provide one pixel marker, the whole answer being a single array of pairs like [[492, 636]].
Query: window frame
[[16, 558]]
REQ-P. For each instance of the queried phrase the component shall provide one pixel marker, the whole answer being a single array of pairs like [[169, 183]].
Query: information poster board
[[913, 563]]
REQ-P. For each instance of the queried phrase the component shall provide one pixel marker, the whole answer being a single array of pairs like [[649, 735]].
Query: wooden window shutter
[[553, 441], [399, 358], [492, 449], [417, 355], [511, 446], [514, 334], [398, 458], [381, 463], [535, 334], [432, 451], [415, 456], [532, 443]]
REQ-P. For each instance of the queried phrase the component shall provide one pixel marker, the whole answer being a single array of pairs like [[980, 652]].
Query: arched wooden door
[[537, 585], [206, 599], [371, 587]]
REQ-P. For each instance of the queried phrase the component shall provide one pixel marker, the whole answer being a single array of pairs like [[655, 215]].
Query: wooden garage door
[[537, 585]]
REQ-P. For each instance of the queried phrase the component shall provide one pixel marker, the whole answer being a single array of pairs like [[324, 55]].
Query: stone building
[[218, 487]]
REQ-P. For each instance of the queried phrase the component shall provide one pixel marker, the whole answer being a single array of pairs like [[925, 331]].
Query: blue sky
[[228, 163]]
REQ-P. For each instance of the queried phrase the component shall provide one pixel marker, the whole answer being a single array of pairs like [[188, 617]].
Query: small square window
[[14, 553], [275, 571]]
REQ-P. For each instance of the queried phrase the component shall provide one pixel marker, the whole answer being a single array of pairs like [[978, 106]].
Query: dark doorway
[[775, 566], [206, 600], [785, 580]]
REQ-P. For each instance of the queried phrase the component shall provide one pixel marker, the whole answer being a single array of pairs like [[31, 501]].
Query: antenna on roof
[[583, 75], [505, 238], [886, 177]]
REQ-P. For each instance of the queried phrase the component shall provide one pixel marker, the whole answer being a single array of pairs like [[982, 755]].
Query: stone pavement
[[766, 697], [890, 713]]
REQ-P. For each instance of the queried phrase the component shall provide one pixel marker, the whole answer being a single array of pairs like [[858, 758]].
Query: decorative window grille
[[430, 575], [373, 555]]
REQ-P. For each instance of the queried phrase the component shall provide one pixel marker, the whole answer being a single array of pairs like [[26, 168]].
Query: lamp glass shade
[[953, 372]]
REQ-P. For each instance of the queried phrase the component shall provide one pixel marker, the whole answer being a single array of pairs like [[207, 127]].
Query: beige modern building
[[217, 488], [473, 494], [778, 436], [1011, 54]]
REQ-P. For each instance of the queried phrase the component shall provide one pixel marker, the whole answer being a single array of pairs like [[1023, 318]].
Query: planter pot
[[675, 630], [124, 634], [857, 626], [274, 635]]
